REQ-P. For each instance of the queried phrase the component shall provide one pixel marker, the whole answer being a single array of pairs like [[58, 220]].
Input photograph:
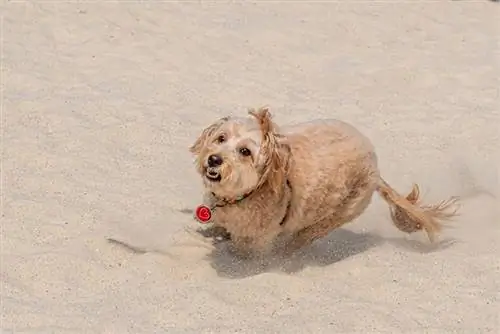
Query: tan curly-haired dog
[[289, 187]]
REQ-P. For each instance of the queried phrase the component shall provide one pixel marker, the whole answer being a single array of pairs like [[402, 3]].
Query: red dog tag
[[203, 214]]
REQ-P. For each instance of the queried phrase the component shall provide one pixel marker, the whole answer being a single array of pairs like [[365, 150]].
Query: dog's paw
[[218, 233]]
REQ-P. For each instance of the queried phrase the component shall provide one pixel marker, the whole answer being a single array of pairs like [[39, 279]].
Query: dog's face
[[235, 154]]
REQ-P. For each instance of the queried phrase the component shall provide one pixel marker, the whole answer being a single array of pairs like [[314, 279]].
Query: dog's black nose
[[214, 160]]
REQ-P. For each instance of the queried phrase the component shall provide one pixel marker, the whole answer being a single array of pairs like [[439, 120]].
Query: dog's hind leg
[[308, 235]]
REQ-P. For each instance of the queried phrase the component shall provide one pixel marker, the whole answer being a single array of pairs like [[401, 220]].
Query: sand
[[100, 102]]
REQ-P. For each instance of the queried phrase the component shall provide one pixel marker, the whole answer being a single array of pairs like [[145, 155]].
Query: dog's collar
[[203, 213], [221, 201]]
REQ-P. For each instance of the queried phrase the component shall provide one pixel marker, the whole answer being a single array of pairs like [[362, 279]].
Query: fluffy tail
[[410, 216]]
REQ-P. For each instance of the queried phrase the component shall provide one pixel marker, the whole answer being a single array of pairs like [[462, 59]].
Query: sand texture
[[100, 102]]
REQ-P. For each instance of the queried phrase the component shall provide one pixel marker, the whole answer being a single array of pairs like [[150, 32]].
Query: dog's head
[[236, 155]]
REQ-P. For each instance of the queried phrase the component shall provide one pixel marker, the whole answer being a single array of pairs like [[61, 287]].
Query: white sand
[[101, 101]]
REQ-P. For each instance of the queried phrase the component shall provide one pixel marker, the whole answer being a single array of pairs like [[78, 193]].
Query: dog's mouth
[[213, 175]]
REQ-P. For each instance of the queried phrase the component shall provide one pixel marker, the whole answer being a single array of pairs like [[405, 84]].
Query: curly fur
[[276, 165], [301, 182]]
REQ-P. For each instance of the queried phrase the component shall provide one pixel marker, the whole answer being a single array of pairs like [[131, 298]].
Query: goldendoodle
[[270, 188]]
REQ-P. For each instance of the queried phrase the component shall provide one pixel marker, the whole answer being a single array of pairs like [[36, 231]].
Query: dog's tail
[[410, 216]]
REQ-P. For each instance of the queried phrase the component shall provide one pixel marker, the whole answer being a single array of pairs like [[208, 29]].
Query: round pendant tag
[[203, 214]]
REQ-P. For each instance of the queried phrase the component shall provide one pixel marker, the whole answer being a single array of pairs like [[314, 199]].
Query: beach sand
[[100, 102]]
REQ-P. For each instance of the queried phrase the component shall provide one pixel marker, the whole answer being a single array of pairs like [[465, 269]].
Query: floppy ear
[[276, 149], [205, 135], [264, 118], [278, 163]]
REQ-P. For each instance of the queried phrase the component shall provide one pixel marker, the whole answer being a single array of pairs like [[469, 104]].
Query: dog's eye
[[245, 152], [221, 139]]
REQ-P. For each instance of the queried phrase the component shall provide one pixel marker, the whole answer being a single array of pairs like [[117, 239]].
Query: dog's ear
[[278, 163], [276, 149], [205, 135], [264, 118]]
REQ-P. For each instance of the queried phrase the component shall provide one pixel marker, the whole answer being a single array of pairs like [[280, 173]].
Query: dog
[[273, 189]]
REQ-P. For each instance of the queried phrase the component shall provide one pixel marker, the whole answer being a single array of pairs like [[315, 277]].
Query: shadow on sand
[[339, 245]]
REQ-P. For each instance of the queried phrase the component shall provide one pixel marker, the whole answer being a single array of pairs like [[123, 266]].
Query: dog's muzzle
[[212, 174]]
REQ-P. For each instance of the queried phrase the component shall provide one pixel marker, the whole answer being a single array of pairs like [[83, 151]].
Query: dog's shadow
[[339, 245]]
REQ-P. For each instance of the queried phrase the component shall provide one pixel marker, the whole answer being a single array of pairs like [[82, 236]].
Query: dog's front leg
[[216, 232]]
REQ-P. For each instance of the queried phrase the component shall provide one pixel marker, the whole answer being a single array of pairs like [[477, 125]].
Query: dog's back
[[333, 172]]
